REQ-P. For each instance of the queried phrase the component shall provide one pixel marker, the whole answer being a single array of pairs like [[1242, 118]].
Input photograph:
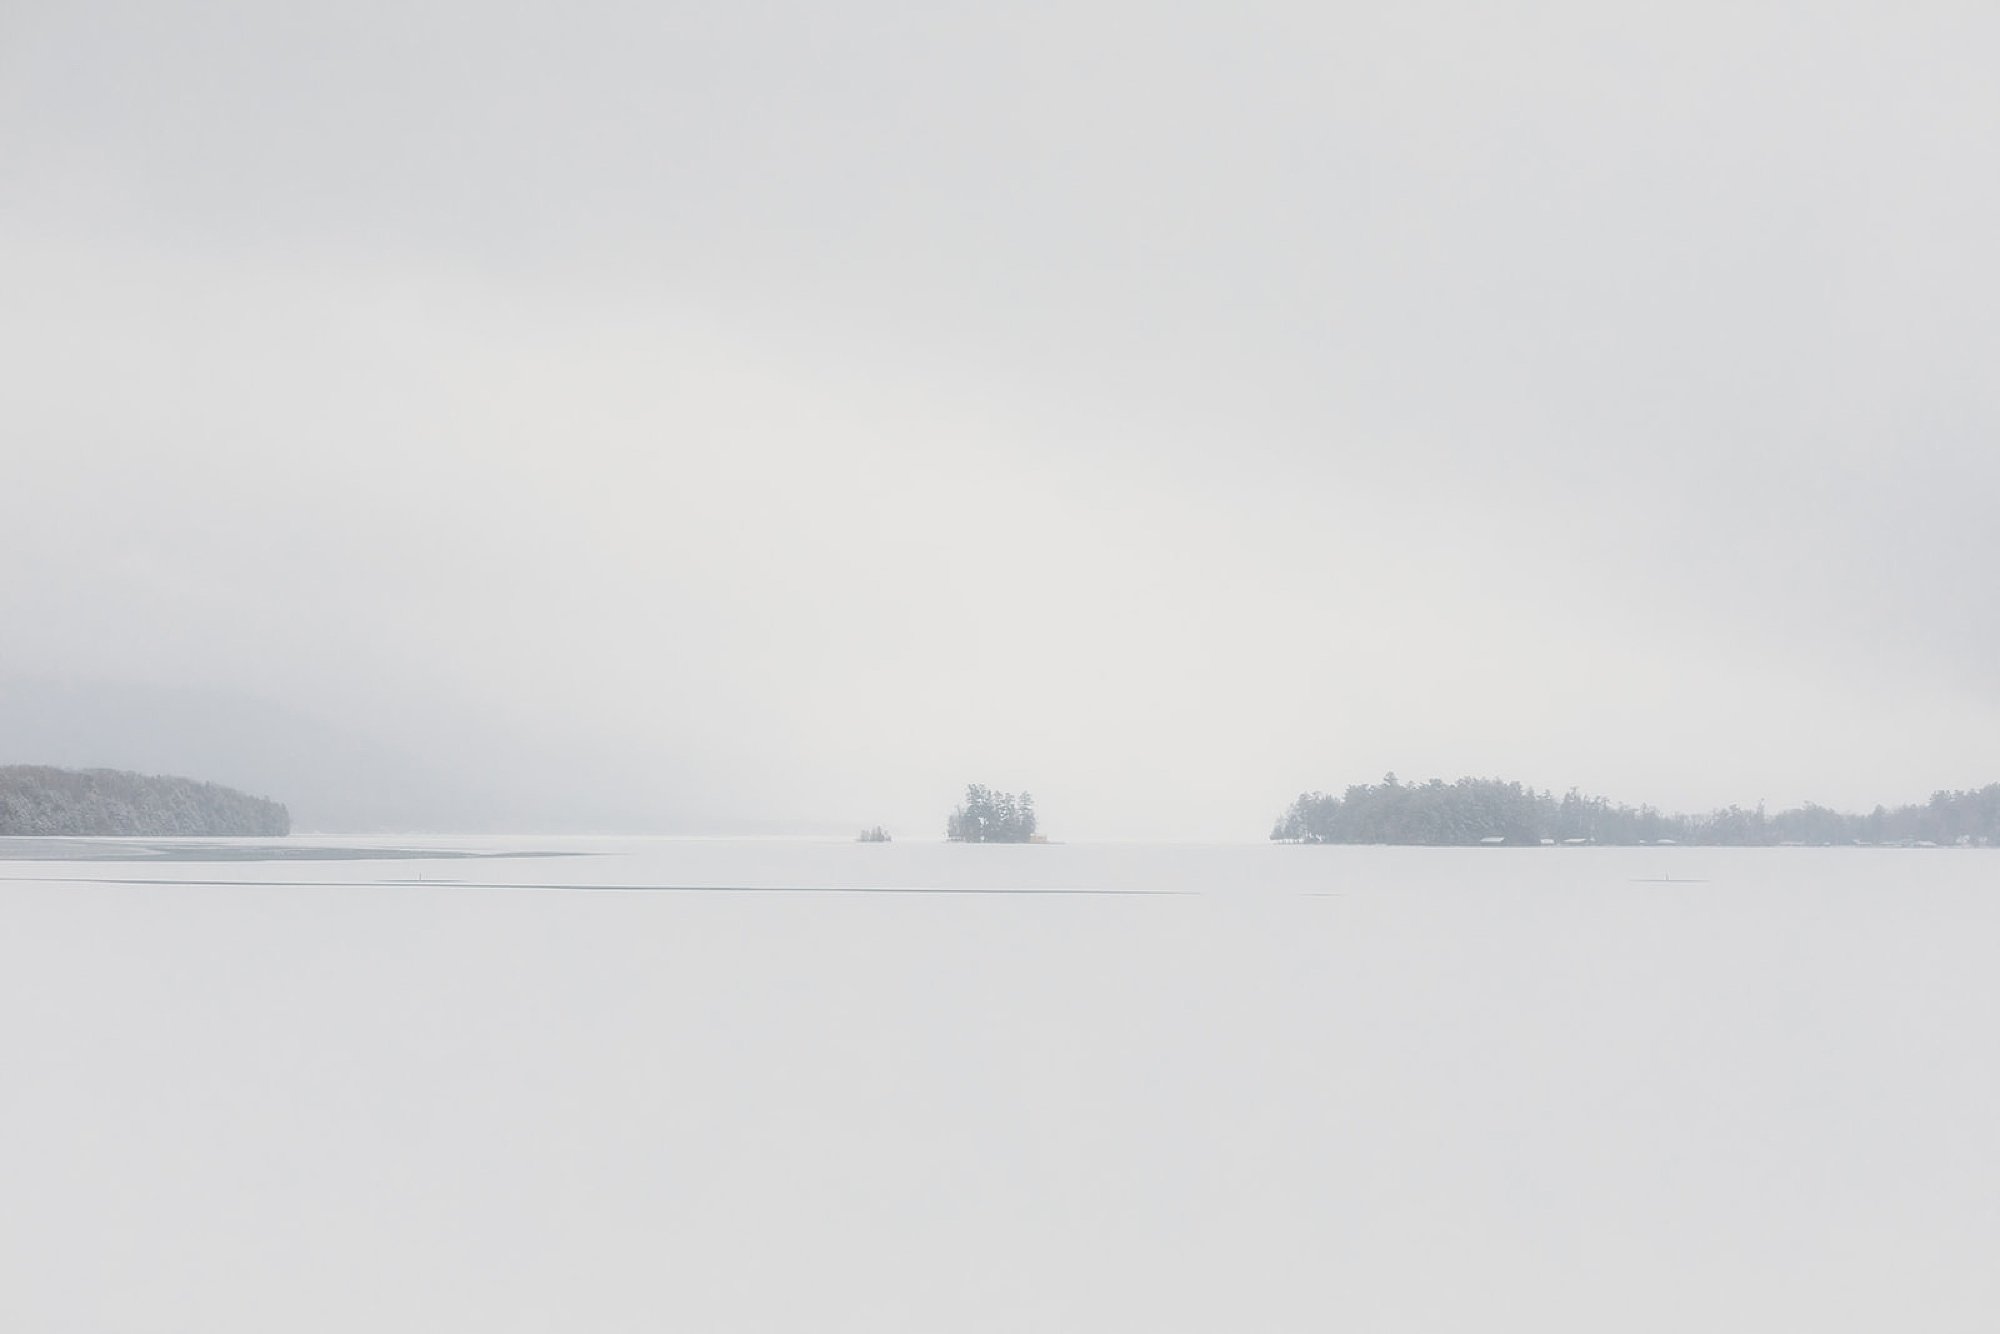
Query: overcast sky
[[779, 415]]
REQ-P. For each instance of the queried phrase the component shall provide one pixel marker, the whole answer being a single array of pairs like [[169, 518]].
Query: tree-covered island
[[1489, 810], [38, 800], [993, 817]]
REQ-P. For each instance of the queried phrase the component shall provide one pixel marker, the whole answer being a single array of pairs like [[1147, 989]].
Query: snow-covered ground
[[1251, 1088]]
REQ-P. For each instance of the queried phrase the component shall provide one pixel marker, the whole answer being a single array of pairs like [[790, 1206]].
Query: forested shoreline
[[39, 800], [1489, 810]]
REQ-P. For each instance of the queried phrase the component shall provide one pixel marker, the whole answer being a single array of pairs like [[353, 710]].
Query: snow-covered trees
[[992, 817], [38, 800], [1476, 810]]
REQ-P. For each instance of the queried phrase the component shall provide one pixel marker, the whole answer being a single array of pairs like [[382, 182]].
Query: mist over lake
[[730, 1085], [1039, 668]]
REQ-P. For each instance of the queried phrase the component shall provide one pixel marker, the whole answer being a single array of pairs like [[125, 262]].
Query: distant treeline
[[107, 802], [1483, 810]]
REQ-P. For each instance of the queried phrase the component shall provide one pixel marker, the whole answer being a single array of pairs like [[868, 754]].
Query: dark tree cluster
[[876, 835], [992, 817], [109, 802], [1481, 810], [1468, 811]]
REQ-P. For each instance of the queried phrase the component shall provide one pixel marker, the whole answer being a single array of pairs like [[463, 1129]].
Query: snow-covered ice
[[1247, 1088]]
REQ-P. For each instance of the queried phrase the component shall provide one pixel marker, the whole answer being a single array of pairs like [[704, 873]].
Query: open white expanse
[[1310, 1089]]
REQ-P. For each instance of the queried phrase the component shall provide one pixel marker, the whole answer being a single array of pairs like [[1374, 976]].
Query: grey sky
[[734, 416]]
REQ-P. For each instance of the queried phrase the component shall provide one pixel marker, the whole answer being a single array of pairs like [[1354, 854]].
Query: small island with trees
[[1475, 811], [993, 817], [36, 800]]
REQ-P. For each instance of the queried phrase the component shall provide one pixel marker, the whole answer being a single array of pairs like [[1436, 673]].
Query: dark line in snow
[[615, 889]]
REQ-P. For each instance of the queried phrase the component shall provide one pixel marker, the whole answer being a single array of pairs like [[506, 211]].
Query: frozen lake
[[745, 1086]]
